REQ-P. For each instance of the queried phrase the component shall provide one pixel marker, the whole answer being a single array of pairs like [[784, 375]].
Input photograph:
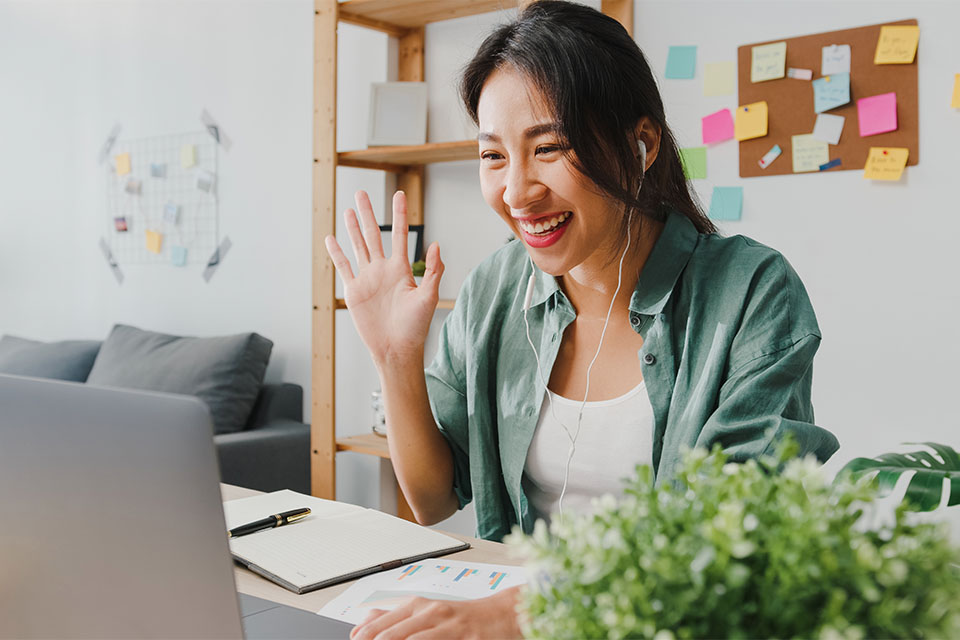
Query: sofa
[[259, 434]]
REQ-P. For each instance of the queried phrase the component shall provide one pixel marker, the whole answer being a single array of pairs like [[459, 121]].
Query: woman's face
[[560, 215]]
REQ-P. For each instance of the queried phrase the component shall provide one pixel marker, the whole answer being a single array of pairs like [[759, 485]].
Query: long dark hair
[[598, 85]]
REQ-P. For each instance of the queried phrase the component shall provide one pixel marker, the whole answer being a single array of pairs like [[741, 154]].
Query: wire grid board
[[194, 227]]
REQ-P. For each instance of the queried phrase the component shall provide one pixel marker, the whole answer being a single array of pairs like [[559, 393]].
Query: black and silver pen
[[276, 520]]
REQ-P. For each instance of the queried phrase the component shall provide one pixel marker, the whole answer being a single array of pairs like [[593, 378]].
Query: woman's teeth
[[546, 226]]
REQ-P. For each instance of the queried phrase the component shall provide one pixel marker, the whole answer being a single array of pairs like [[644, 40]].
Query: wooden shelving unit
[[405, 20]]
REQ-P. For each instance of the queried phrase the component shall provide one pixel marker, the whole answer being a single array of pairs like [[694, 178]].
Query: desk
[[252, 584]]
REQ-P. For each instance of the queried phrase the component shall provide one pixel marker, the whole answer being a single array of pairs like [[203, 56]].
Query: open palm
[[392, 314]]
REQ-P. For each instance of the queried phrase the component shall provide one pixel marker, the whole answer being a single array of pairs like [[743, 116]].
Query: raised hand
[[392, 314]]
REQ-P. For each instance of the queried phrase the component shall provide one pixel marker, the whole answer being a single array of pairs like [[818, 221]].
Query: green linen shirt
[[729, 336]]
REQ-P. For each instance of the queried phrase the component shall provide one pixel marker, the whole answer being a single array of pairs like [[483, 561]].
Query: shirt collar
[[660, 273]]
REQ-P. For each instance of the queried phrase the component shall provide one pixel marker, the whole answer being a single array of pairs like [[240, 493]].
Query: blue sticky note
[[726, 203], [681, 63], [178, 256], [830, 92]]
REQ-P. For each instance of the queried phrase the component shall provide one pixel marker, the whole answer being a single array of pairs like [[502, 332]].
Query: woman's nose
[[523, 188]]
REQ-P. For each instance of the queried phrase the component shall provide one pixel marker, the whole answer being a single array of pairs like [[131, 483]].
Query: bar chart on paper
[[432, 579]]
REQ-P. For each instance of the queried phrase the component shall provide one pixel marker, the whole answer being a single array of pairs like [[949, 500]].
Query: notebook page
[[321, 549], [244, 510]]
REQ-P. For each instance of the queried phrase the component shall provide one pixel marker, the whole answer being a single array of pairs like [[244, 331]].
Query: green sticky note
[[681, 63], [694, 161], [726, 203]]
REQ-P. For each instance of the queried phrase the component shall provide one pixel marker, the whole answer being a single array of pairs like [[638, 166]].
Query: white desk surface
[[250, 583]]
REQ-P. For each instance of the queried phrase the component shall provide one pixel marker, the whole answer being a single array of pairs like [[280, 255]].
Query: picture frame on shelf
[[414, 240], [398, 114]]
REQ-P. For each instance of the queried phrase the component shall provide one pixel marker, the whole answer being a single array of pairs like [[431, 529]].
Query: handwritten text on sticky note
[[751, 121], [809, 153], [885, 163], [897, 45], [877, 114], [835, 58], [768, 62], [830, 92]]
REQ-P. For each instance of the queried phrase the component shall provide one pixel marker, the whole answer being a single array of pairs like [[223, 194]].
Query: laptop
[[113, 522]]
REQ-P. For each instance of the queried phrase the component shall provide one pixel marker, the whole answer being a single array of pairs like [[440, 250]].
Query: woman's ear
[[648, 132]]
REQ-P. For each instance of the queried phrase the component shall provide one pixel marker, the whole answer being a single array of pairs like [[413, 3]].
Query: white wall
[[876, 258]]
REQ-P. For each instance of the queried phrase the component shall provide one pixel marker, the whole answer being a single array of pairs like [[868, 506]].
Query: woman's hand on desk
[[493, 617], [392, 314]]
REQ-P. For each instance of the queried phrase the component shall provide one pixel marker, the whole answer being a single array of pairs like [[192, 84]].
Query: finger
[[371, 628], [373, 615], [340, 261], [434, 270], [356, 238], [400, 226], [368, 222]]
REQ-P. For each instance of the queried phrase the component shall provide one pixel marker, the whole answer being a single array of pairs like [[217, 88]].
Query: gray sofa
[[261, 440]]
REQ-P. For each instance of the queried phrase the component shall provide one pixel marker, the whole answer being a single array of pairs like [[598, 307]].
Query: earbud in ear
[[642, 154]]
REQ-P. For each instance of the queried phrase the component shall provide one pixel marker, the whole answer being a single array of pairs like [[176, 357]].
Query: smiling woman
[[618, 330]]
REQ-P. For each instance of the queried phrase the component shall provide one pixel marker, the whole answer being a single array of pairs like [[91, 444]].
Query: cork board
[[790, 101]]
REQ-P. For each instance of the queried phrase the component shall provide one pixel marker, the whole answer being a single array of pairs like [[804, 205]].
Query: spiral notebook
[[335, 543]]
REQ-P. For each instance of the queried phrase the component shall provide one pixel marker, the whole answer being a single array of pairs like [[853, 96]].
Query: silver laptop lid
[[112, 516]]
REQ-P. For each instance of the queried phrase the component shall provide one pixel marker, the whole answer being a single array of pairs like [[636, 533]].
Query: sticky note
[[800, 74], [154, 241], [188, 156], [828, 128], [955, 103], [897, 45], [835, 58], [158, 170], [830, 92], [717, 127], [178, 256], [885, 163], [171, 213], [719, 78], [768, 62], [694, 161], [681, 63], [877, 114], [123, 164], [206, 181], [726, 203], [770, 156], [751, 121], [809, 153]]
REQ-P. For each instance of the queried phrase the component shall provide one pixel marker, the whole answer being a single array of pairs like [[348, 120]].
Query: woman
[[650, 331]]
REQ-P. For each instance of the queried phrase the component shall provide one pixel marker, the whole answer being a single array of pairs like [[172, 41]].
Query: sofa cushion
[[65, 360], [225, 372]]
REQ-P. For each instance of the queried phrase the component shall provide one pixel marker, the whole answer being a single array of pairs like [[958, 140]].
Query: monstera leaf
[[925, 488]]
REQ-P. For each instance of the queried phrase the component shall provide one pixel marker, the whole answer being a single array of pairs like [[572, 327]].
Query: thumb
[[434, 269]]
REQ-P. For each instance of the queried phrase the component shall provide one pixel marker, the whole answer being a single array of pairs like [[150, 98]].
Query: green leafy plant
[[926, 487], [419, 268], [738, 551]]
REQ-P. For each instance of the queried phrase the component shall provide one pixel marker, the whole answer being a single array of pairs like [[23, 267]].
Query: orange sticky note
[[154, 242], [955, 103], [885, 163], [897, 45], [123, 164], [751, 121]]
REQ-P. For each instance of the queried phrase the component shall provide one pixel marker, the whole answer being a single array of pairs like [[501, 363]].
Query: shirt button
[[650, 358], [635, 321]]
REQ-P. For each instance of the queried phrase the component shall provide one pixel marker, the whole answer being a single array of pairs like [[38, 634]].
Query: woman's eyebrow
[[535, 131]]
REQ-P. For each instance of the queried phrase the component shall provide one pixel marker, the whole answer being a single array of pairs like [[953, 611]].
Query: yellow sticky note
[[897, 45], [718, 78], [809, 153], [123, 164], [751, 121], [885, 163], [154, 241], [768, 62], [955, 103], [188, 156]]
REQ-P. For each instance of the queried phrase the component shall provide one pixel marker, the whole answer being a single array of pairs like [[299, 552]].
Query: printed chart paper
[[436, 579]]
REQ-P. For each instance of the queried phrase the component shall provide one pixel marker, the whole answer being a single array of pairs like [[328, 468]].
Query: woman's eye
[[548, 148], [490, 155]]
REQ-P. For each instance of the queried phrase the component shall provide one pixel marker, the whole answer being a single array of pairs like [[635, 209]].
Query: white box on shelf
[[398, 114]]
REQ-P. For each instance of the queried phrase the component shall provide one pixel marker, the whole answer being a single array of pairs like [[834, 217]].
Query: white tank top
[[615, 436]]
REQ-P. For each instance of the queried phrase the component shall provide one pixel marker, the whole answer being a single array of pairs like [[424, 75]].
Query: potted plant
[[741, 551]]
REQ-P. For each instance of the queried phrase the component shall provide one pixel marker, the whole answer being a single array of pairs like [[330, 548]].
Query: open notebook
[[335, 543]]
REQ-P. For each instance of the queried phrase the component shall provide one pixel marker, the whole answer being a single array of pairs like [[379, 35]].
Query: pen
[[276, 520]]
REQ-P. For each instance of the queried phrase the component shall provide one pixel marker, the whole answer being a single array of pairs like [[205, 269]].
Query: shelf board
[[391, 16], [368, 443], [442, 304], [399, 158]]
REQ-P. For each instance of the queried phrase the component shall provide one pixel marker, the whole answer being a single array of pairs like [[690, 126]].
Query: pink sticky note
[[717, 127], [877, 114]]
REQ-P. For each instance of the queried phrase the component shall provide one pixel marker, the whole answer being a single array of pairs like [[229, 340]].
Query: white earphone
[[531, 281]]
